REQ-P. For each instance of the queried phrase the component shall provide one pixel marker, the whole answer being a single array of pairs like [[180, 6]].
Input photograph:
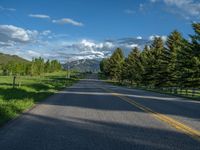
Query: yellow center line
[[195, 134]]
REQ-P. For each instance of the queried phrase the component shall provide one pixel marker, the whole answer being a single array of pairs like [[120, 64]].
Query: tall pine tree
[[153, 70], [116, 63], [169, 70], [134, 66]]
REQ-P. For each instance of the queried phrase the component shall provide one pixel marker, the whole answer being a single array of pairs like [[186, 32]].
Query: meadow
[[28, 91]]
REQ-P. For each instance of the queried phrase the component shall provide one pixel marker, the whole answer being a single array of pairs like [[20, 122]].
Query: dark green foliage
[[115, 64], [175, 63], [145, 60], [189, 60], [134, 66], [104, 66], [170, 71], [155, 60]]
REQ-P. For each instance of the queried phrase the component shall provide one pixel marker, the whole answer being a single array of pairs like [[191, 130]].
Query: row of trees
[[36, 67], [174, 63]]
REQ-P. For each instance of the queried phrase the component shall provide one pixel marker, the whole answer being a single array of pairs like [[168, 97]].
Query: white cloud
[[132, 45], [153, 1], [46, 32], [189, 7], [87, 43], [31, 43], [33, 53], [6, 9], [152, 37], [67, 21], [40, 16], [13, 33], [139, 37]]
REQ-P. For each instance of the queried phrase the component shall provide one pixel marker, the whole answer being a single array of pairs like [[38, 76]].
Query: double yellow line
[[195, 134]]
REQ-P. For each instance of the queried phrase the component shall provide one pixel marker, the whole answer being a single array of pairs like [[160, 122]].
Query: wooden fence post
[[14, 79]]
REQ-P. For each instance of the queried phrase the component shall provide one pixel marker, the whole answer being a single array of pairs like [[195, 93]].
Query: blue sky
[[81, 28]]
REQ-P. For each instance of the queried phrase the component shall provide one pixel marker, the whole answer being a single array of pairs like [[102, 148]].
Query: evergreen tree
[[115, 64], [124, 73], [169, 66], [104, 67], [196, 55], [134, 66], [189, 60], [154, 60], [145, 60], [47, 66]]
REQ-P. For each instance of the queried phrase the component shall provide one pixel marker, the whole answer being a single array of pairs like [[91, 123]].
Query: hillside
[[83, 65], [5, 58]]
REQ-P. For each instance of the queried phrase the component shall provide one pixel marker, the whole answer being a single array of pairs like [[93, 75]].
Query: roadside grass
[[29, 91], [180, 93]]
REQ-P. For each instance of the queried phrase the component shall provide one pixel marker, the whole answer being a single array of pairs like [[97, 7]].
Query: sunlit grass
[[28, 91]]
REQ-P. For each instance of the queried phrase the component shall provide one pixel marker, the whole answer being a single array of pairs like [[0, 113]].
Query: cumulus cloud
[[188, 7], [40, 16], [152, 37], [10, 33], [67, 21], [31, 43]]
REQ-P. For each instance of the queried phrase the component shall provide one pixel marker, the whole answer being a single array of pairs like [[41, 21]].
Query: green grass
[[179, 92], [14, 101]]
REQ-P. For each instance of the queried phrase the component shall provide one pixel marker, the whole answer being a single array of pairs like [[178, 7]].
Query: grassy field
[[28, 91]]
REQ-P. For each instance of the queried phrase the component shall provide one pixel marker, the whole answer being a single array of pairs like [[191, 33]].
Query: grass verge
[[182, 94], [31, 90]]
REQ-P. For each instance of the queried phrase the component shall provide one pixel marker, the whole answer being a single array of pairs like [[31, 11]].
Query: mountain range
[[83, 65], [86, 63]]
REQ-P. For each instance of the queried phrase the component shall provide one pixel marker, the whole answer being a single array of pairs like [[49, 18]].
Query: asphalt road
[[88, 117]]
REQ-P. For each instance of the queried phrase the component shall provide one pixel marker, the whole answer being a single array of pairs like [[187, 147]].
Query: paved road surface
[[88, 117]]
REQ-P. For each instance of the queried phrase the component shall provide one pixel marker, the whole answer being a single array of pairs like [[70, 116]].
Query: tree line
[[37, 66], [171, 63]]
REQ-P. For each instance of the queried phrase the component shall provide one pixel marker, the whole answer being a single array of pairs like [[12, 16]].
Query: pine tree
[[169, 66], [134, 66], [124, 73], [145, 60], [115, 64], [196, 54], [104, 67], [153, 70], [189, 60], [47, 66]]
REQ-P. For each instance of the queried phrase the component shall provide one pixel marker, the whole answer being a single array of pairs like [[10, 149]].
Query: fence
[[189, 92]]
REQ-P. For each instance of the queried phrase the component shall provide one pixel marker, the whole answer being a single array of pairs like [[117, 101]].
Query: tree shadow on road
[[96, 98], [79, 133]]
